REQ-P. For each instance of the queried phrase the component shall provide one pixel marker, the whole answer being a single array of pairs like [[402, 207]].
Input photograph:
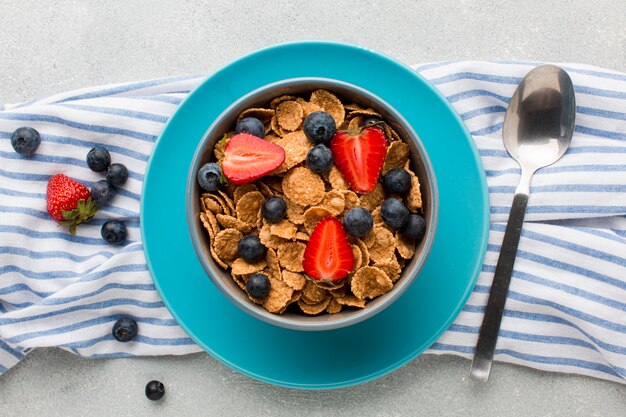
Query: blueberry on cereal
[[251, 249], [258, 286], [397, 181], [394, 213], [210, 176], [319, 159], [274, 209], [415, 228], [358, 222], [319, 127], [250, 125]]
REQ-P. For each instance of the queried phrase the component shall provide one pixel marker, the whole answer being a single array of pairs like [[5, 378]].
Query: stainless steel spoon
[[538, 128]]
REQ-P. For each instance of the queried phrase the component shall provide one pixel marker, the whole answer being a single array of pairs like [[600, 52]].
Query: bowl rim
[[283, 321]]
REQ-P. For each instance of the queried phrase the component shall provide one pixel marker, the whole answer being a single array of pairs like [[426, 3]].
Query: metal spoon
[[538, 128]]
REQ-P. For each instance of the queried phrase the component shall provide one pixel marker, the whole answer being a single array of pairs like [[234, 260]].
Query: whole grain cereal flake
[[210, 224], [226, 243], [273, 264], [227, 201], [294, 279], [397, 155], [313, 309], [264, 115], [294, 298], [302, 186], [289, 115], [233, 222], [211, 205], [350, 301], [277, 100], [240, 280], [267, 239], [370, 282], [278, 297], [358, 257], [219, 200], [242, 190], [312, 294], [241, 267], [391, 267], [249, 207], [276, 127], [284, 229], [333, 306], [339, 292], [351, 200], [264, 189], [290, 255], [414, 198], [296, 146], [307, 107], [365, 253], [337, 180], [384, 245], [405, 246], [334, 201], [313, 216], [373, 199]]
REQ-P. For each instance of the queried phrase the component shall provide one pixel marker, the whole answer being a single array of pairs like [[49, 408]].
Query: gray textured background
[[48, 47]]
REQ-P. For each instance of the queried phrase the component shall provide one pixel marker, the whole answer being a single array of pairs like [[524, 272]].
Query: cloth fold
[[566, 310]]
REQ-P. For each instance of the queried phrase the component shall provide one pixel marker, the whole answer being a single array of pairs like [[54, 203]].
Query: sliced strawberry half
[[247, 158], [359, 156], [328, 255]]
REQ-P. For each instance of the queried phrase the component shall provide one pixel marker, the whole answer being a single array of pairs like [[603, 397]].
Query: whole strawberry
[[69, 202]]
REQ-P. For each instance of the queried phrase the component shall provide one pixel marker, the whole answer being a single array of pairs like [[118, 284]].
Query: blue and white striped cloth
[[566, 310]]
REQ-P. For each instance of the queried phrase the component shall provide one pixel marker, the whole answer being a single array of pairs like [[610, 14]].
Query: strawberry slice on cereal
[[328, 255], [359, 156], [248, 158]]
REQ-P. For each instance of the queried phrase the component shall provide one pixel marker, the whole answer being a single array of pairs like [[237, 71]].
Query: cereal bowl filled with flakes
[[311, 204]]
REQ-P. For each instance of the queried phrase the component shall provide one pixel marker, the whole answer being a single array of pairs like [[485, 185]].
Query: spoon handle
[[488, 336]]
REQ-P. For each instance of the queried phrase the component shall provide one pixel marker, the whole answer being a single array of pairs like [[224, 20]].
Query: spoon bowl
[[539, 121]]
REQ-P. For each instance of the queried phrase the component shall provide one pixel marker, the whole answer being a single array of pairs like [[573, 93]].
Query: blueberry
[[397, 181], [125, 329], [372, 121], [258, 286], [274, 209], [25, 140], [394, 213], [319, 159], [358, 222], [251, 249], [102, 192], [155, 390], [210, 177], [320, 127], [98, 159], [117, 174], [113, 231], [250, 125], [415, 227]]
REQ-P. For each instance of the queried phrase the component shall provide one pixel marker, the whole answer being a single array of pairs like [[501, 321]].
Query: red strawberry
[[69, 202], [328, 255], [359, 156], [248, 158]]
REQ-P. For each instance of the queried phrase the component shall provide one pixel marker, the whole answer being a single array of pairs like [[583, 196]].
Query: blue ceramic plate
[[334, 358]]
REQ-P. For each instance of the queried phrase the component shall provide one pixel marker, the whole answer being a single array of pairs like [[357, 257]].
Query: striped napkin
[[566, 310]]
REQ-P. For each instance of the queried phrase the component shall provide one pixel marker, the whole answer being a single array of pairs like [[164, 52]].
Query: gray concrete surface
[[48, 47]]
